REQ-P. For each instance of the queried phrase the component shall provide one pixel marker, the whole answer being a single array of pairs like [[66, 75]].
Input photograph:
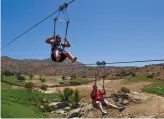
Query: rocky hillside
[[49, 68]]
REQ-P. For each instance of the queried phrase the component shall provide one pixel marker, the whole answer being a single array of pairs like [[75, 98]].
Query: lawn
[[15, 103], [157, 86], [13, 80], [77, 80]]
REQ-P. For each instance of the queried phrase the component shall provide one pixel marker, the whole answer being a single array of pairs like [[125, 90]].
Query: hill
[[49, 68]]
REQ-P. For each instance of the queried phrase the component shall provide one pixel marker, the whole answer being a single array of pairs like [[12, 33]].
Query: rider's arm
[[104, 91], [67, 43], [50, 40], [92, 94]]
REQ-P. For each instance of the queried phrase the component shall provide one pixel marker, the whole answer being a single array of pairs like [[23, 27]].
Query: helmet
[[58, 38]]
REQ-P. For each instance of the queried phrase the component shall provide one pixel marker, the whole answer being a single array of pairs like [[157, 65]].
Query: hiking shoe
[[122, 109], [104, 113], [74, 59]]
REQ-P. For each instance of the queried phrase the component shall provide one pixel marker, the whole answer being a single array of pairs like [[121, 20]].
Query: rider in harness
[[98, 100], [58, 53]]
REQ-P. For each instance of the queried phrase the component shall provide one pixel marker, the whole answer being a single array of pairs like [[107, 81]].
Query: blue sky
[[110, 30]]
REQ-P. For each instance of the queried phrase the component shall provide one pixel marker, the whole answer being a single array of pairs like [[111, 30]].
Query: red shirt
[[98, 95]]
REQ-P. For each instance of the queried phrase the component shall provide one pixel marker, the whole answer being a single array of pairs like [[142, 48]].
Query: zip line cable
[[60, 8], [94, 64]]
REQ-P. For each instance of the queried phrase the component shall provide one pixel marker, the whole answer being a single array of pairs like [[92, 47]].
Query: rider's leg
[[114, 106], [99, 105], [69, 55], [56, 55], [105, 102]]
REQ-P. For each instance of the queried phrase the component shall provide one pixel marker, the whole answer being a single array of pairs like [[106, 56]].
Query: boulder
[[74, 113], [60, 111], [54, 103], [137, 97], [67, 108]]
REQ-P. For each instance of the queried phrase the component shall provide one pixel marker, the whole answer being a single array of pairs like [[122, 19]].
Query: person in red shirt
[[97, 100]]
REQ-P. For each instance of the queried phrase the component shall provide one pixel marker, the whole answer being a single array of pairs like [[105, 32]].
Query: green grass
[[15, 110], [15, 103], [5, 86], [157, 86], [137, 78], [13, 80]]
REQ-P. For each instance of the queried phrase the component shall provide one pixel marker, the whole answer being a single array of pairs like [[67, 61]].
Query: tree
[[76, 99], [20, 77], [63, 77], [65, 96], [29, 86], [31, 76], [42, 79], [8, 73], [125, 90], [44, 87]]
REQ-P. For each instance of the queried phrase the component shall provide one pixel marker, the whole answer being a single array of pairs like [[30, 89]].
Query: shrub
[[84, 77], [133, 74], [29, 86], [124, 90], [73, 77], [75, 99], [20, 77], [42, 79], [46, 108], [150, 75], [65, 96], [31, 76], [8, 73], [63, 77], [44, 87]]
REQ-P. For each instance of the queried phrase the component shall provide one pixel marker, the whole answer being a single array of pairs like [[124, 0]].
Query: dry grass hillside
[[49, 68]]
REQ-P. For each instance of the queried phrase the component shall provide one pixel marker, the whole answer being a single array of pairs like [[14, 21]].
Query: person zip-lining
[[99, 101], [58, 53]]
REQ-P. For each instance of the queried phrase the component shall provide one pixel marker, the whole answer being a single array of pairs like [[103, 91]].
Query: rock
[[137, 97], [60, 111], [73, 113], [53, 112], [41, 107], [125, 102], [158, 88], [44, 100], [54, 103], [86, 109], [83, 104], [67, 108]]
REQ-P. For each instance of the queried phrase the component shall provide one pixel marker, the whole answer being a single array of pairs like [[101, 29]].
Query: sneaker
[[104, 113], [74, 59], [122, 109]]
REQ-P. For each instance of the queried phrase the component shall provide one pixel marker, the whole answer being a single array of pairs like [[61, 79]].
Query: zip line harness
[[100, 71], [63, 9]]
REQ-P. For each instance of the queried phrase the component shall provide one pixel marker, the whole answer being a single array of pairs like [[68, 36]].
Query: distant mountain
[[50, 68], [44, 67]]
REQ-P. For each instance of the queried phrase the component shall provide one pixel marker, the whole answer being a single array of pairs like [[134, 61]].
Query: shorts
[[62, 58], [103, 102]]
